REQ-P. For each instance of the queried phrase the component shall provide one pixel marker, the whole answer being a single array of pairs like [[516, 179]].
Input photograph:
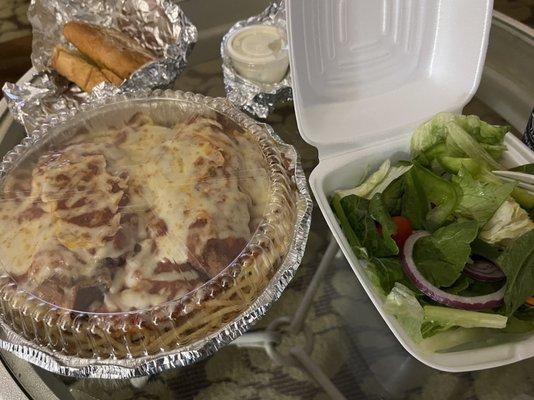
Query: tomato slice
[[403, 231]]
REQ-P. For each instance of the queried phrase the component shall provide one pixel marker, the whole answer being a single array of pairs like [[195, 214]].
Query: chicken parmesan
[[146, 225], [135, 216]]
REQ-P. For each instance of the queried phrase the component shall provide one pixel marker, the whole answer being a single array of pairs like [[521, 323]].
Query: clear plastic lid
[[142, 225]]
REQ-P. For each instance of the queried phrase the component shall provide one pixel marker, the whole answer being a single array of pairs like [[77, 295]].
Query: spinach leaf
[[379, 213], [428, 200], [363, 216], [527, 169], [517, 263], [414, 203], [525, 313], [461, 284], [516, 325], [480, 200], [484, 249], [522, 321], [392, 196], [442, 256], [478, 288], [384, 272], [355, 245]]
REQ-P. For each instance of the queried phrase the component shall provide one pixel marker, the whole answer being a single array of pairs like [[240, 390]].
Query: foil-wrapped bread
[[105, 55]]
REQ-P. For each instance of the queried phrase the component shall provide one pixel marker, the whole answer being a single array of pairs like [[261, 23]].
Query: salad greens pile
[[475, 258]]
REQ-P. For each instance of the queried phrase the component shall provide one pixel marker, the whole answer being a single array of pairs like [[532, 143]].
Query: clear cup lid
[[128, 210]]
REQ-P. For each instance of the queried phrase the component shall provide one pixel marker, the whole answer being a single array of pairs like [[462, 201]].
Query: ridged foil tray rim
[[133, 367]]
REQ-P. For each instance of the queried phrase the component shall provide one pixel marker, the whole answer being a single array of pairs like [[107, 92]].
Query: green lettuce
[[402, 303], [480, 172], [480, 200], [430, 134], [482, 131], [354, 242], [455, 135], [469, 145], [517, 263], [392, 196], [486, 250], [378, 181], [369, 184], [363, 215], [441, 257], [527, 169], [428, 200], [385, 272], [379, 213], [446, 316], [508, 222]]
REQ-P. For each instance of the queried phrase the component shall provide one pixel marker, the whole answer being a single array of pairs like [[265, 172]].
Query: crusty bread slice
[[107, 47], [116, 80], [76, 69]]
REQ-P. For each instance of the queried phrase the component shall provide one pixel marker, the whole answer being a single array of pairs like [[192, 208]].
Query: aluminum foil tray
[[103, 340]]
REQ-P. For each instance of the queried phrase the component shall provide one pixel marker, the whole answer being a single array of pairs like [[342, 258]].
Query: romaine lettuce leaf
[[481, 130], [430, 133], [402, 303], [494, 150], [480, 200], [469, 145], [394, 173], [517, 263], [454, 164], [441, 257], [378, 181], [509, 222], [480, 172], [427, 138], [446, 316], [369, 184]]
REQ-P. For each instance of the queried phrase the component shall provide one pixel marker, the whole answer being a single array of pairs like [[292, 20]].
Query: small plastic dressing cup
[[259, 53]]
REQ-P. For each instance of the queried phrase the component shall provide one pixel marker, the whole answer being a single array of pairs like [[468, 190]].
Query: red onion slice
[[484, 271], [452, 300]]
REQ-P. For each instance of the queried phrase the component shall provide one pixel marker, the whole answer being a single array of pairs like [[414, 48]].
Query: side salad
[[448, 242]]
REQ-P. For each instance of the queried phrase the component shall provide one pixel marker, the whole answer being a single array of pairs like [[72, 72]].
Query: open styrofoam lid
[[363, 70]]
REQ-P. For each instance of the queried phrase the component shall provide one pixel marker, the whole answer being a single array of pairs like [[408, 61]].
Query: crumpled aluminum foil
[[258, 99], [78, 367], [160, 25]]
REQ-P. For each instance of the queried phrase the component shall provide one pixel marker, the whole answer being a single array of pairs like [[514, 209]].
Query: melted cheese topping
[[130, 218]]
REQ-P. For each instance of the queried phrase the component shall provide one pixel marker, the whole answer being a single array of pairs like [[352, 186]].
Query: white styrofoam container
[[365, 73]]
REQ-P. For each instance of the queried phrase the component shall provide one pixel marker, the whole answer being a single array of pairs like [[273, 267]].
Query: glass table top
[[350, 342]]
